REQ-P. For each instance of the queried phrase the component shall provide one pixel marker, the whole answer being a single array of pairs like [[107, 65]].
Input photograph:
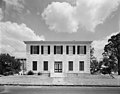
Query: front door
[[58, 67]]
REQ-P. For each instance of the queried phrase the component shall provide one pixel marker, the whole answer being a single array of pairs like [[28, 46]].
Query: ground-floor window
[[81, 65], [58, 66], [45, 65], [34, 65], [70, 65]]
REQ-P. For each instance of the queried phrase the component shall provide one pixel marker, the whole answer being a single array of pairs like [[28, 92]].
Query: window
[[58, 66], [45, 49], [34, 49], [70, 49], [81, 49], [34, 65], [58, 49], [70, 65], [81, 65], [45, 65]]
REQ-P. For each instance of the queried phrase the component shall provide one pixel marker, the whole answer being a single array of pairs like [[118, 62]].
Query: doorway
[[58, 67]]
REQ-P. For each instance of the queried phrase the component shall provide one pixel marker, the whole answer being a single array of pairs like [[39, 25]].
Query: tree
[[8, 64], [113, 48], [93, 62]]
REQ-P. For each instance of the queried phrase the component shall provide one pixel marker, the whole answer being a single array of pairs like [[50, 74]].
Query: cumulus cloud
[[63, 17], [100, 44], [13, 36]]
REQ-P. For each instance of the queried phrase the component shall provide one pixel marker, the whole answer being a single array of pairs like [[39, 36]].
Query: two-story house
[[58, 58]]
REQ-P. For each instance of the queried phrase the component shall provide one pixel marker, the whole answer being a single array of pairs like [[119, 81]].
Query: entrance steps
[[57, 75]]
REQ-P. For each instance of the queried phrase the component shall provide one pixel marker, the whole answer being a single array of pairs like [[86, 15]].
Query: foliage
[[8, 64], [30, 73], [39, 73], [113, 49], [107, 65], [93, 62]]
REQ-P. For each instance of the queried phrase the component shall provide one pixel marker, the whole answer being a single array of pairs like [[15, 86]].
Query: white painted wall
[[51, 58]]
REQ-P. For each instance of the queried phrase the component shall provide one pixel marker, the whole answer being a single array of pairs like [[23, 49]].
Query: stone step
[[57, 75]]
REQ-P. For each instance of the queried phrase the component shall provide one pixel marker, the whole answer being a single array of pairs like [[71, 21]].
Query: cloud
[[13, 35], [100, 44], [14, 8], [63, 17], [1, 14], [16, 4]]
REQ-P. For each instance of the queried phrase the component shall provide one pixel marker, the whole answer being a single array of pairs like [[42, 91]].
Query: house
[[58, 58]]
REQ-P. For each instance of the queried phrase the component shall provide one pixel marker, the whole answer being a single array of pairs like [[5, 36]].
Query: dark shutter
[[73, 49], [42, 50], [37, 49], [61, 49], [48, 49], [67, 49], [78, 49], [34, 65], [84, 49], [45, 65], [54, 49], [31, 49]]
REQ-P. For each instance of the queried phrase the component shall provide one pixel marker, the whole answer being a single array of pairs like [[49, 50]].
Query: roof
[[57, 42]]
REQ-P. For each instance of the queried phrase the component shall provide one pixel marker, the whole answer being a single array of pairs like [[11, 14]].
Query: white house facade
[[58, 58]]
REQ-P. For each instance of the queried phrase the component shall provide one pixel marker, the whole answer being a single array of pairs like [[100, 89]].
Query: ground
[[83, 80]]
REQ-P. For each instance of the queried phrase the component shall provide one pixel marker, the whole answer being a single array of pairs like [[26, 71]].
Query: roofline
[[57, 42]]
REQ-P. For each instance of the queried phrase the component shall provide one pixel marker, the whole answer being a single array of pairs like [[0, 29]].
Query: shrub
[[39, 73], [30, 73]]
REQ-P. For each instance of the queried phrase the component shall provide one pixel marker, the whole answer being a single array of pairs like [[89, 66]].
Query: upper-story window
[[34, 49], [45, 49], [81, 49], [70, 49], [58, 49]]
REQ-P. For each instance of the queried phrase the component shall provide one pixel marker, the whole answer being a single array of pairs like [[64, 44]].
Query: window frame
[[81, 65], [69, 66], [34, 49], [58, 49], [45, 68], [34, 66], [81, 49]]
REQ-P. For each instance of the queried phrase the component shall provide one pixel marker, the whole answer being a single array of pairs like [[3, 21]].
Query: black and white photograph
[[59, 46]]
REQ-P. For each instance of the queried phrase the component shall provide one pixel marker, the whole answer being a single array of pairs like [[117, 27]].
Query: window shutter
[[54, 49], [84, 49], [37, 49], [78, 49], [61, 49], [48, 49], [31, 49], [73, 49], [67, 49], [42, 50]]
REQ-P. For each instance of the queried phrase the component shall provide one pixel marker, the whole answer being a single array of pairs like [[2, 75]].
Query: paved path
[[60, 90], [84, 80]]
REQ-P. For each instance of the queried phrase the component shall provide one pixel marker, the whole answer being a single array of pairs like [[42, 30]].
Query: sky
[[58, 20]]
